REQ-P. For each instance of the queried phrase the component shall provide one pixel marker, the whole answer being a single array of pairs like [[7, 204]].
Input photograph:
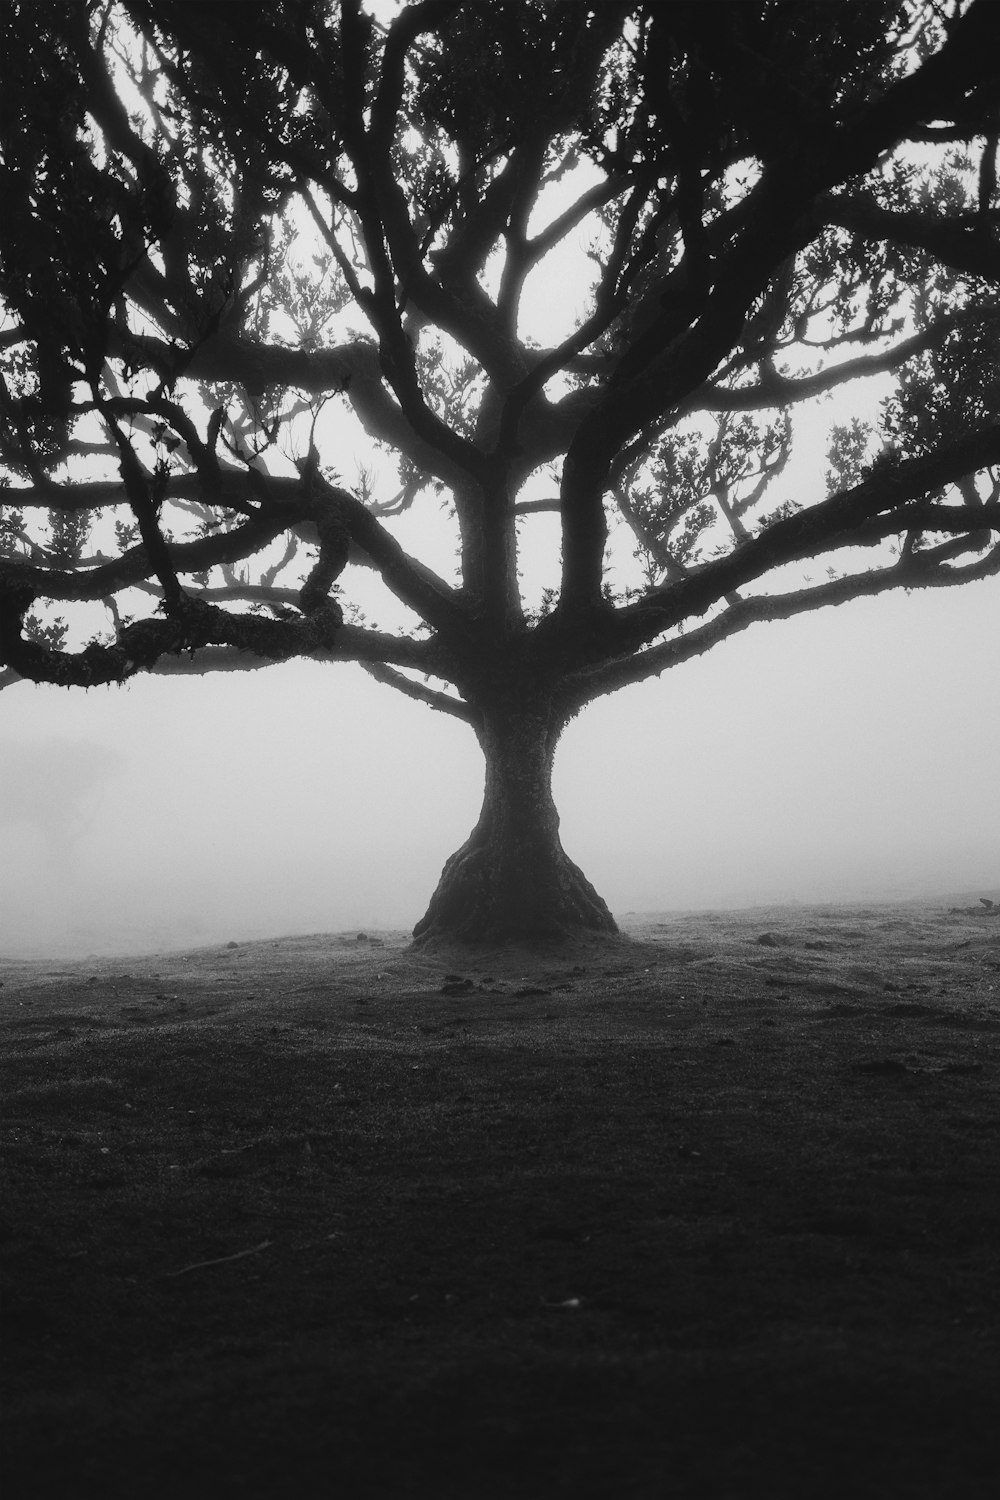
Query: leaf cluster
[[230, 229]]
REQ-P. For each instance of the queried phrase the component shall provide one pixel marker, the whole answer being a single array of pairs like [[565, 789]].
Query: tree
[[228, 229]]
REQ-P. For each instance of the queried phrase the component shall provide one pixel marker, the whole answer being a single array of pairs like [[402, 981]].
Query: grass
[[685, 1215]]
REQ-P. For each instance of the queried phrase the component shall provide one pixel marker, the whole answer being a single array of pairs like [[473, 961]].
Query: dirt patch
[[687, 1214]]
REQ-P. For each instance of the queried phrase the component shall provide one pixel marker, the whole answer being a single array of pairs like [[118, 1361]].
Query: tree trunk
[[512, 880]]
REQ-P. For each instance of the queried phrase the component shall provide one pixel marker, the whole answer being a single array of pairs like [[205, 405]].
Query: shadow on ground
[[713, 1211]]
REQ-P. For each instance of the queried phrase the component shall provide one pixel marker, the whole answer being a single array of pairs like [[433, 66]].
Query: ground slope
[[713, 1211]]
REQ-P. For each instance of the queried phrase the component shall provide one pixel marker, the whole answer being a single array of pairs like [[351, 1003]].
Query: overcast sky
[[847, 755]]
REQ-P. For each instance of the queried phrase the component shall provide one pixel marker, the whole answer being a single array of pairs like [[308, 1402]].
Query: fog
[[848, 755]]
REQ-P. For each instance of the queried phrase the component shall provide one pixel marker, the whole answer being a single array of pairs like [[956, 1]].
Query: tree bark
[[512, 881]]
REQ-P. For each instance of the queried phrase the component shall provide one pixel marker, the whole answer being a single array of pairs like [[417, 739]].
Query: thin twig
[[199, 1265]]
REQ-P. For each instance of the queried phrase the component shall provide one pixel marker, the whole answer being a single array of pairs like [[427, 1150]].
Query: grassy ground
[[710, 1212]]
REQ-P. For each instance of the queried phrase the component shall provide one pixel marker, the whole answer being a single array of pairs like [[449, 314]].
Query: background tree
[[227, 228]]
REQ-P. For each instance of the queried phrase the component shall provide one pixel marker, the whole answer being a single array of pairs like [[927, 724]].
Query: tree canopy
[[553, 261]]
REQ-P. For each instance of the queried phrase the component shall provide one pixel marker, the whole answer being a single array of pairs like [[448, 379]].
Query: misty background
[[847, 755]]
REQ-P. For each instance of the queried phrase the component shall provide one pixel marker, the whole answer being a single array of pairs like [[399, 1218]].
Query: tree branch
[[139, 646], [849, 519], [352, 645], [774, 389], [281, 503], [940, 86], [778, 216], [889, 501], [352, 369], [596, 682], [134, 565], [958, 242], [422, 694], [392, 246]]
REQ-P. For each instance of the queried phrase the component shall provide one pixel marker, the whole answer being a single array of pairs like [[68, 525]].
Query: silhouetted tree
[[219, 219]]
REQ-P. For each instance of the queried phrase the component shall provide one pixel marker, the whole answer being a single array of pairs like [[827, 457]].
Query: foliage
[[242, 244]]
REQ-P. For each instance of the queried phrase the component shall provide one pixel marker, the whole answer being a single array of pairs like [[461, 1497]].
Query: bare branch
[[774, 389], [422, 694], [749, 611], [352, 645], [139, 646], [134, 565], [598, 196], [889, 501], [533, 507], [958, 242]]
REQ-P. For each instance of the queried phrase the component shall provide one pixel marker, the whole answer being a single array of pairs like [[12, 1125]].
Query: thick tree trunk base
[[481, 900], [512, 881]]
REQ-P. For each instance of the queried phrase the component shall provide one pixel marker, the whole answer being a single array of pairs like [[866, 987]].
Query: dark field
[[689, 1215]]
